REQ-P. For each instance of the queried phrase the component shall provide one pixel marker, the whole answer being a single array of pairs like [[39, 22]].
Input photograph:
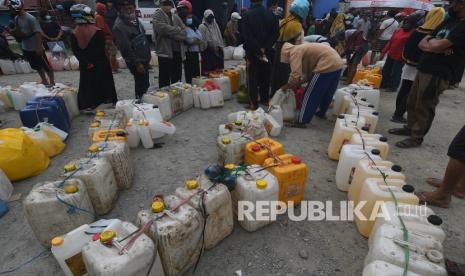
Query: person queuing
[[96, 84], [411, 56], [51, 31], [194, 41], [110, 48], [170, 33], [290, 30], [364, 25], [231, 33], [260, 30], [212, 56], [320, 66], [392, 69], [129, 35], [453, 183], [384, 34], [27, 30], [356, 47], [110, 14], [311, 30], [443, 51], [338, 26]]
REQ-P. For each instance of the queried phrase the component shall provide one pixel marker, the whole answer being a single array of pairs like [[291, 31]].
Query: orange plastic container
[[360, 75], [291, 174], [110, 135], [235, 78], [258, 151], [375, 80]]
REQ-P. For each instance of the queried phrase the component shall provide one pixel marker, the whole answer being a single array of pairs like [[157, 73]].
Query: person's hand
[[140, 68]]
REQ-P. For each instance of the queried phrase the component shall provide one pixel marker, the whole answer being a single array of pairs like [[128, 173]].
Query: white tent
[[414, 4]]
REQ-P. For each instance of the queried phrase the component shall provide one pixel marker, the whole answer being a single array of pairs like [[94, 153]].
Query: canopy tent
[[415, 4]]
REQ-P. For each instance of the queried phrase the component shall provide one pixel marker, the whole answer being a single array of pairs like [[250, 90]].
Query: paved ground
[[283, 248]]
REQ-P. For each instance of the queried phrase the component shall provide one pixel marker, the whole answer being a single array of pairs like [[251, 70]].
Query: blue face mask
[[48, 18], [189, 21]]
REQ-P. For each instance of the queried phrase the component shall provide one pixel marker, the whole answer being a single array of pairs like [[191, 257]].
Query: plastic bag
[[228, 52], [67, 65], [47, 140], [20, 157], [25, 66], [7, 66], [74, 63], [211, 85], [154, 59], [57, 63], [239, 53]]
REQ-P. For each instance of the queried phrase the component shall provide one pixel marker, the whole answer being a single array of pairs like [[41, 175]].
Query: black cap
[[155, 106], [396, 168], [375, 152], [434, 220], [121, 134], [341, 117], [376, 113], [363, 99], [371, 106], [365, 128], [408, 189], [383, 139], [354, 93]]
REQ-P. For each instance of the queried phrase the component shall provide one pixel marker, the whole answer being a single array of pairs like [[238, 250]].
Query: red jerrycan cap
[[296, 160], [256, 148]]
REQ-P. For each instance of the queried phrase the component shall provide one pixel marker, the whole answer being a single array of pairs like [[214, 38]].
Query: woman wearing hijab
[[110, 47], [291, 31], [411, 56], [338, 26], [231, 33], [212, 57], [96, 84]]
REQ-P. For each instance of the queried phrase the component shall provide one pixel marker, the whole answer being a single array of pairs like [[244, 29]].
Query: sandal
[[400, 131], [425, 200], [295, 125], [408, 144], [455, 269]]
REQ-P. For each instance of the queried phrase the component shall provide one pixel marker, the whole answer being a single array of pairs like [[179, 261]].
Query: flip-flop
[[455, 269], [408, 144], [400, 131], [433, 181], [425, 200]]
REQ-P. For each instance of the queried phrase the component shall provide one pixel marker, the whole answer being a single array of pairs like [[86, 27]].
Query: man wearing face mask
[[129, 35], [169, 33], [444, 50]]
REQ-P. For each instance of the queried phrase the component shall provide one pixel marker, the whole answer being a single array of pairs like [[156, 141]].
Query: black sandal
[[400, 131], [408, 143]]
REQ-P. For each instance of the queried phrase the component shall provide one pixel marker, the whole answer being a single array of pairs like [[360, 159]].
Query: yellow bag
[[20, 157], [47, 140]]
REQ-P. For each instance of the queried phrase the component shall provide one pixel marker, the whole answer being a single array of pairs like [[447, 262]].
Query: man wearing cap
[[27, 30], [231, 33], [129, 35], [443, 51], [169, 34]]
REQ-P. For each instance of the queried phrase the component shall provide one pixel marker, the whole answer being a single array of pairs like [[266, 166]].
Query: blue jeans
[[392, 72]]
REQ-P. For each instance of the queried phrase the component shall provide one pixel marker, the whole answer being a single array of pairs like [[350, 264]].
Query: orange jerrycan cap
[[256, 148], [435, 220], [383, 139], [396, 168], [408, 189], [296, 160], [71, 188], [230, 166], [261, 184], [93, 148], [226, 140], [107, 236], [100, 113], [57, 241], [192, 184], [70, 167], [158, 206]]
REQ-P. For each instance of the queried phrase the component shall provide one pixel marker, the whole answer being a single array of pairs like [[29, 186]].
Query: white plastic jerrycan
[[225, 86], [277, 113], [356, 100], [178, 232], [247, 117], [285, 99], [382, 268], [97, 175], [371, 117], [231, 148], [144, 133], [417, 218], [133, 134], [373, 140], [127, 106], [339, 98], [6, 188], [162, 100], [217, 203], [187, 97], [117, 152], [371, 169], [374, 192], [204, 99], [216, 98], [118, 252], [345, 126], [55, 208], [425, 253], [256, 185], [199, 81], [158, 128], [272, 126], [147, 112], [350, 155]]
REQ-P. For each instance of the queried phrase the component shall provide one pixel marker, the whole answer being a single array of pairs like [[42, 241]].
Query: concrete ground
[[283, 248]]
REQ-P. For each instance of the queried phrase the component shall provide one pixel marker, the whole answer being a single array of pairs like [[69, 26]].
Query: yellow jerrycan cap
[[57, 241], [261, 184], [71, 188], [107, 236], [230, 166], [100, 113], [192, 184], [226, 140], [70, 167], [238, 122], [143, 123], [93, 148], [95, 124], [158, 206]]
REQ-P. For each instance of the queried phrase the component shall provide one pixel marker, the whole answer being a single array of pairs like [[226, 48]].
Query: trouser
[[258, 81], [280, 71], [422, 102], [458, 74], [392, 72], [141, 81], [318, 95], [191, 66], [402, 97], [169, 69]]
